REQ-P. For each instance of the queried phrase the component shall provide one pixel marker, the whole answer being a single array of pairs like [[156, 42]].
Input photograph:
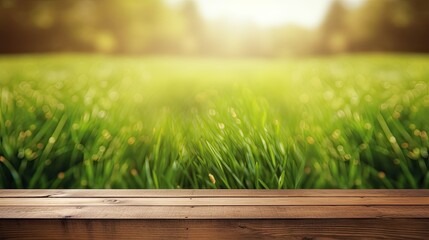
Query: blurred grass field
[[88, 121]]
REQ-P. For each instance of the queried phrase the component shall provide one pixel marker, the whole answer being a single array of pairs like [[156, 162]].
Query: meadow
[[93, 121]]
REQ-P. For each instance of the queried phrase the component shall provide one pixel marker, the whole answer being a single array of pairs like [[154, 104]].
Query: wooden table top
[[213, 204], [214, 214]]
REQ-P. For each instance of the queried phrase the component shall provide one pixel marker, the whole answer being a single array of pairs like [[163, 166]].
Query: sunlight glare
[[307, 13]]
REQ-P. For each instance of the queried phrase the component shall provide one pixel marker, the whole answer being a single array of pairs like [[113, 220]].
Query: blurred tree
[[34, 26], [374, 29], [127, 26], [292, 40], [411, 20], [333, 30], [390, 25], [194, 24], [115, 26], [151, 26]]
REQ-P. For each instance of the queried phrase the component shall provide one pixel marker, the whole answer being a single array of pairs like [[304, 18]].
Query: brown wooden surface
[[214, 214], [213, 229], [224, 201], [134, 193]]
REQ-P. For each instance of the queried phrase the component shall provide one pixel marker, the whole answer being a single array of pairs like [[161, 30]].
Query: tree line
[[153, 27], [378, 25]]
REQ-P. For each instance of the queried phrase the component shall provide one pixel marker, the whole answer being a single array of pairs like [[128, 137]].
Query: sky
[[308, 13]]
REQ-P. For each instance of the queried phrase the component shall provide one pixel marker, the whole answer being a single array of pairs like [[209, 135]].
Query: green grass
[[79, 121]]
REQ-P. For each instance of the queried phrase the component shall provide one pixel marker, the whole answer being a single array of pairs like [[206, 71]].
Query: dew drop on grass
[[83, 182], [61, 175], [358, 182], [131, 140], [45, 108], [276, 122], [7, 123], [307, 170], [233, 113], [101, 114], [328, 95], [396, 115], [106, 134], [75, 126], [424, 135], [341, 114], [357, 117], [134, 172], [368, 98], [95, 157], [310, 140], [384, 106], [21, 135], [28, 153], [59, 85], [48, 115], [212, 112], [336, 134], [102, 149], [417, 133], [48, 162], [28, 133], [19, 102], [424, 153], [114, 95], [212, 178], [60, 106], [347, 156], [411, 155]]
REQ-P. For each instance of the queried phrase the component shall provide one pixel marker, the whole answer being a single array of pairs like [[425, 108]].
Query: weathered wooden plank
[[216, 229], [136, 193], [212, 212], [232, 201]]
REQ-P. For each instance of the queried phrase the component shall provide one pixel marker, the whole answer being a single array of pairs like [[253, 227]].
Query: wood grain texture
[[214, 229], [214, 214], [167, 193], [242, 201]]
